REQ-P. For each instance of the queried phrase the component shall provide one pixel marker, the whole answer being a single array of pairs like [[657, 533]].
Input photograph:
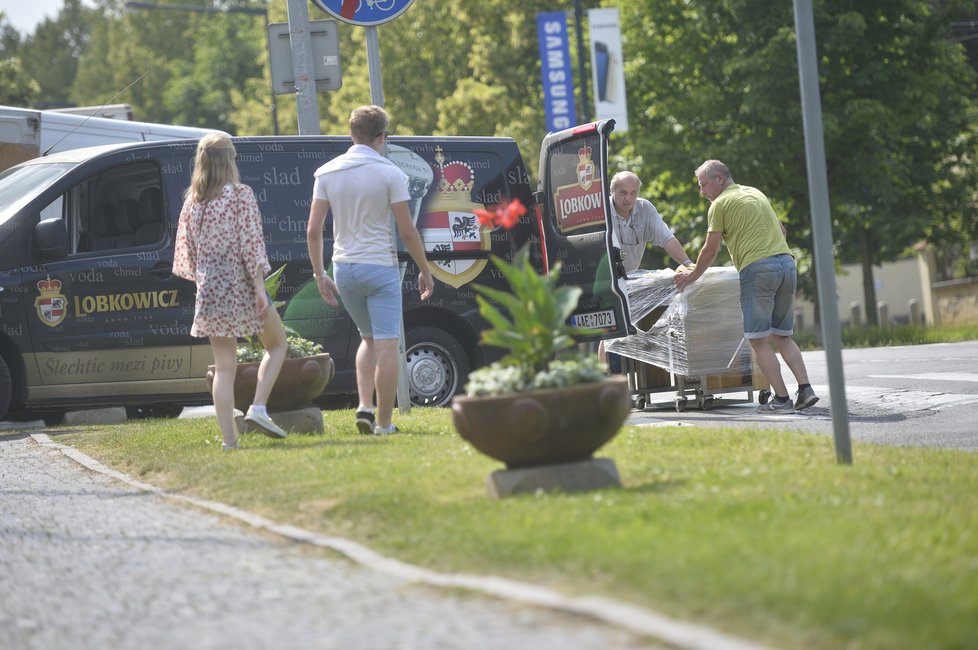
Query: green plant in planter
[[298, 346], [531, 322]]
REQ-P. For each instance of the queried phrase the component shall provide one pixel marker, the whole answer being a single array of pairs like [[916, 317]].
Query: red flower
[[485, 217], [502, 215]]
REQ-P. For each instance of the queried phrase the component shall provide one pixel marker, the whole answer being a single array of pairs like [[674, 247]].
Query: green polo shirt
[[750, 229]]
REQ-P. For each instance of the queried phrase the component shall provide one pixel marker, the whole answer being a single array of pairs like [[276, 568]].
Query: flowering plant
[[531, 322], [299, 347]]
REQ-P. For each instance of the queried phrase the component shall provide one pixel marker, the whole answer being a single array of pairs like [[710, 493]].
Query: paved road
[[89, 562], [922, 395]]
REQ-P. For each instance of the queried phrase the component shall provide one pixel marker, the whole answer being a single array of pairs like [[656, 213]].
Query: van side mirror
[[51, 238]]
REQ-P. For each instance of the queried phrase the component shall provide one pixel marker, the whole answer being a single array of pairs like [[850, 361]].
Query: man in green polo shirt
[[743, 218]]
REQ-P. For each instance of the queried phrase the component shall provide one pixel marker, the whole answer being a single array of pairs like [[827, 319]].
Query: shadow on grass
[[656, 487], [311, 440], [15, 435], [54, 433]]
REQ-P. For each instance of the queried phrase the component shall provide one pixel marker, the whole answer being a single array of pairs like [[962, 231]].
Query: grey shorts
[[371, 294], [767, 296]]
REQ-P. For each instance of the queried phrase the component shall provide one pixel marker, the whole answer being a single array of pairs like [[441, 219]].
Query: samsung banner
[[558, 77], [607, 73]]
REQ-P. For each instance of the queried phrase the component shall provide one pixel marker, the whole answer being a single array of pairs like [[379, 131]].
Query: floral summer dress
[[218, 243]]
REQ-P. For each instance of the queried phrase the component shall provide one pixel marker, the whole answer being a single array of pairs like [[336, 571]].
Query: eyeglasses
[[627, 233], [382, 133]]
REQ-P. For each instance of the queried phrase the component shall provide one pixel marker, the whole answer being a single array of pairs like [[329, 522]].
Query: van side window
[[119, 208]]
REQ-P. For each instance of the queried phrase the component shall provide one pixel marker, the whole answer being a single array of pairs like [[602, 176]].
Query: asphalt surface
[[90, 562], [922, 396]]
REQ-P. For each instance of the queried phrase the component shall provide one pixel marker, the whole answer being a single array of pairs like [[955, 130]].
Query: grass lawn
[[869, 336], [757, 533]]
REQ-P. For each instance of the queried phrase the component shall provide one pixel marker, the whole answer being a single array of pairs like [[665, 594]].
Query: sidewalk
[[89, 562]]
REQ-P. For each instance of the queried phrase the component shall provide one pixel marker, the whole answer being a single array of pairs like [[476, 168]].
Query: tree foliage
[[17, 88], [705, 79], [51, 53], [719, 79]]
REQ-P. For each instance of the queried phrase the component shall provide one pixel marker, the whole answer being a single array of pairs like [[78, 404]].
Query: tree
[[183, 66], [52, 52], [17, 88], [9, 39], [225, 56], [718, 79], [448, 68]]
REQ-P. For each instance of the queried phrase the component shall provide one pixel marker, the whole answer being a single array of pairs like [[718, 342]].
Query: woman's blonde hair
[[214, 167]]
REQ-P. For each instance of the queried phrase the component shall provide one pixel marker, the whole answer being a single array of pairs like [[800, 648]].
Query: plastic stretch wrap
[[699, 332]]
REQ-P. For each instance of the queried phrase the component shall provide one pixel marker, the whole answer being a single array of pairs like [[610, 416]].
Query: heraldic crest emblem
[[51, 304], [449, 224], [585, 168]]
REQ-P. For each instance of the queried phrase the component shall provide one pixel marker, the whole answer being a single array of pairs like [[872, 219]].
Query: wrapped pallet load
[[697, 332]]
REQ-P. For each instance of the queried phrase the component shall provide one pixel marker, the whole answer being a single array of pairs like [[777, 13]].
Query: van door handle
[[162, 270]]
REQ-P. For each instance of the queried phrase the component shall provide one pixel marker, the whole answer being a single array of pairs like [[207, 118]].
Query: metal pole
[[377, 98], [585, 102], [271, 91], [307, 104], [373, 66], [811, 105]]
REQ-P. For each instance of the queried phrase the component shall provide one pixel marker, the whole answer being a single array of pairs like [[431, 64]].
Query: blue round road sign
[[364, 12]]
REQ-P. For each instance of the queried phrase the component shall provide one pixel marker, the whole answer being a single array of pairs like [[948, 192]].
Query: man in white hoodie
[[362, 187]]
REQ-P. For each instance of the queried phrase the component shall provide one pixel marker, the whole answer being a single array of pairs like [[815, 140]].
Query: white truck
[[27, 133]]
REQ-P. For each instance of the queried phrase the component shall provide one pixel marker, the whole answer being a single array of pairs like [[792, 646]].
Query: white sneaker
[[381, 431], [263, 422]]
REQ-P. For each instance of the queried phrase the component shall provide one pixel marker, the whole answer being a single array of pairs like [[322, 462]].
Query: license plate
[[600, 319]]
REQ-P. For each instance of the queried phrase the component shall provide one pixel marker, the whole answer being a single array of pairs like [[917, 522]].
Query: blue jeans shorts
[[767, 296], [371, 294]]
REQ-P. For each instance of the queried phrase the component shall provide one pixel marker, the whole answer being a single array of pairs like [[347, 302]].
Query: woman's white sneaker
[[264, 423]]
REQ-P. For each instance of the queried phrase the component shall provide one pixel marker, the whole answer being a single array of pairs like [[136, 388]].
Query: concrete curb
[[633, 618]]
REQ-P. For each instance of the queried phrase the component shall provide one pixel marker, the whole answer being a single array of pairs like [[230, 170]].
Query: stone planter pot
[[300, 382], [544, 427]]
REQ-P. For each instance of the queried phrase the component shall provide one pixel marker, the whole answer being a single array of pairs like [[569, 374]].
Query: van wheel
[[145, 411], [437, 366], [6, 388]]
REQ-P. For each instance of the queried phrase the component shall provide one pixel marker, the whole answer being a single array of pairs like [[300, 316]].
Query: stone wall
[[956, 302]]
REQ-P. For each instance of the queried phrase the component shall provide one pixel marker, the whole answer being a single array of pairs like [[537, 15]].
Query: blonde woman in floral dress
[[220, 247]]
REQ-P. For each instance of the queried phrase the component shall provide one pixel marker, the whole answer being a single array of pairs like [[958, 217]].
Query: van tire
[[6, 388], [437, 366]]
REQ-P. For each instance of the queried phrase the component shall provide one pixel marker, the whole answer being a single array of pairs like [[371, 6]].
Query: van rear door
[[574, 216]]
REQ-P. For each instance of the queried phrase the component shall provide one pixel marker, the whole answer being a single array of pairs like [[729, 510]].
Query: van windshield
[[20, 184]]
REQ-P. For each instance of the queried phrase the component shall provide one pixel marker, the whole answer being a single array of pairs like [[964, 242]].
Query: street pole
[[306, 101], [377, 98], [818, 192], [373, 66]]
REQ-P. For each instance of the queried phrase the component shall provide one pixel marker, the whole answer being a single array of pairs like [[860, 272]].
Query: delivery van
[[27, 133], [91, 314], [111, 111]]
